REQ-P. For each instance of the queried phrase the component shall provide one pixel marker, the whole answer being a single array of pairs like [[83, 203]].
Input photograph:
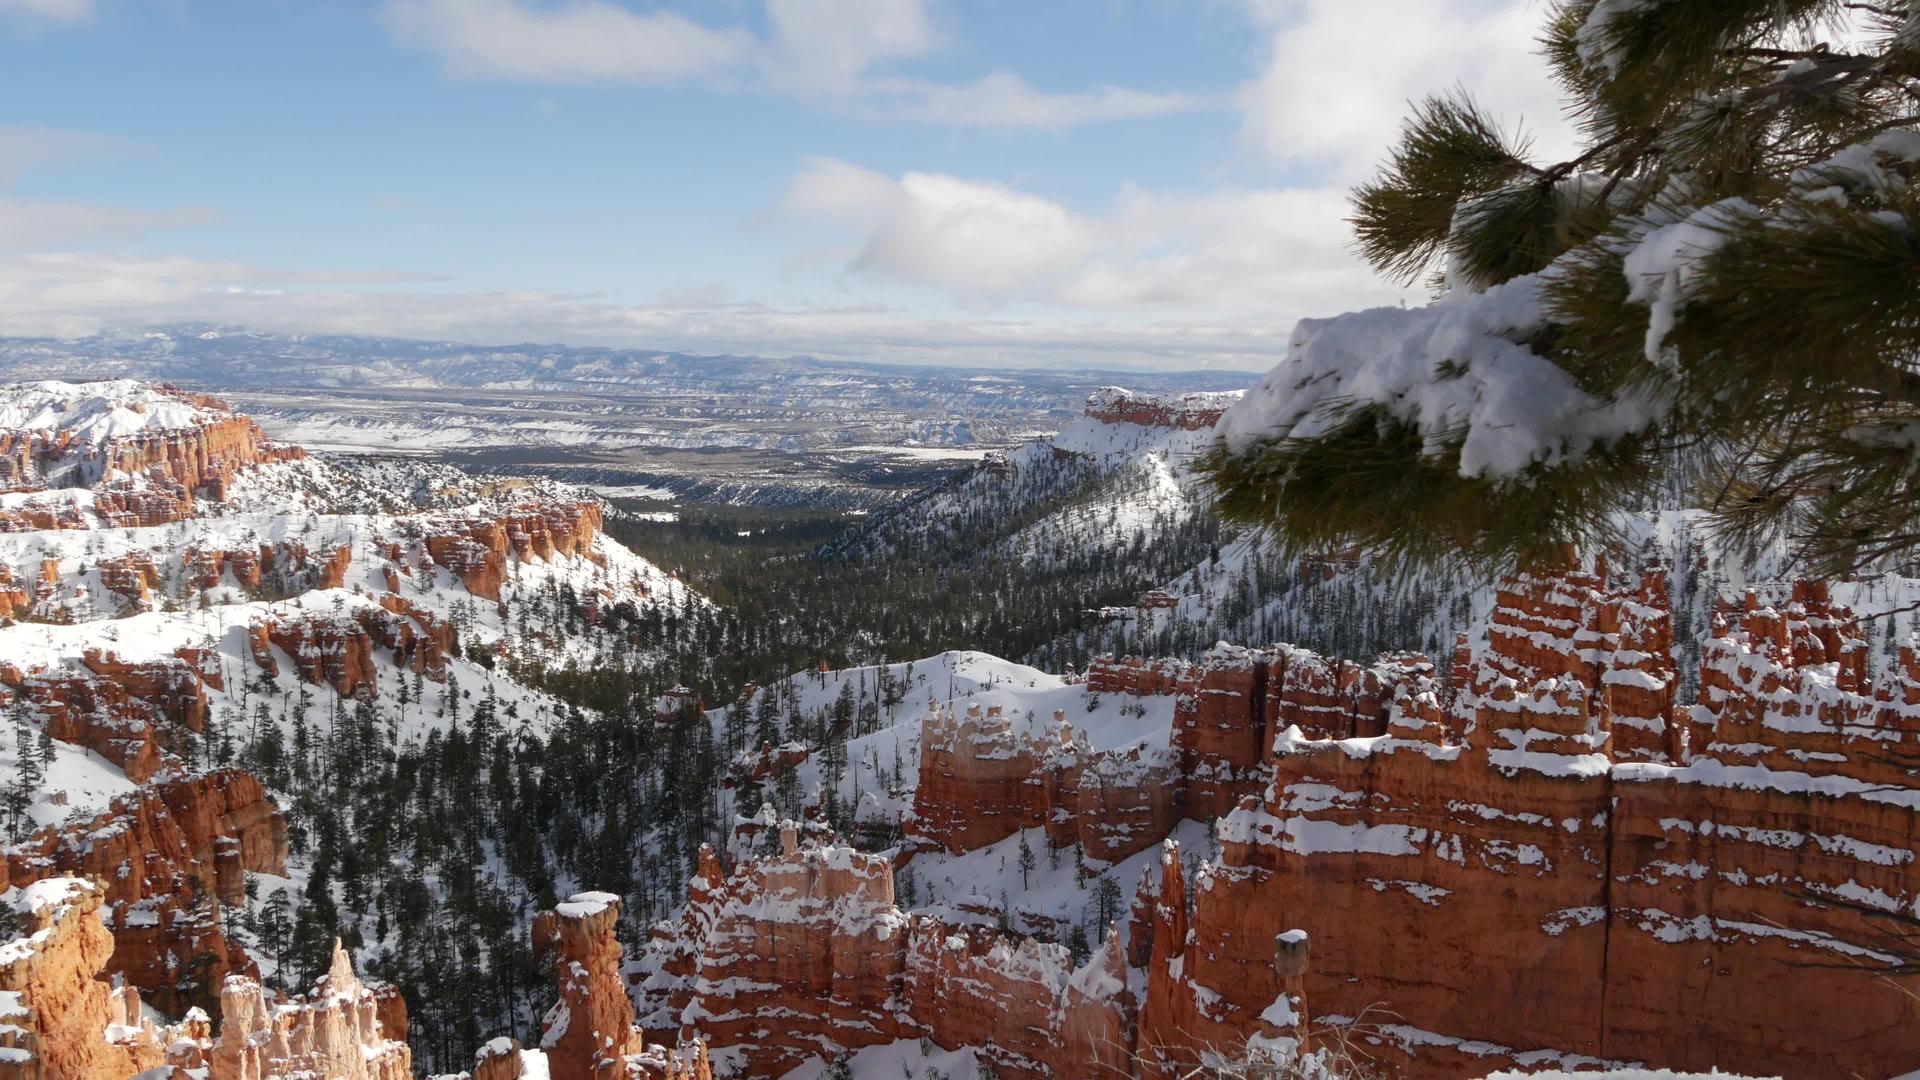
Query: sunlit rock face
[[1559, 864], [1540, 860], [58, 1018], [169, 855], [142, 452], [342, 1029]]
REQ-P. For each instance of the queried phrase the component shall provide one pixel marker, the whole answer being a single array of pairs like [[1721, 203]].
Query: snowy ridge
[[92, 414]]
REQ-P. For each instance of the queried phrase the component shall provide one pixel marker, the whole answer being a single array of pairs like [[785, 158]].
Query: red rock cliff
[[1189, 412], [169, 854], [58, 1019]]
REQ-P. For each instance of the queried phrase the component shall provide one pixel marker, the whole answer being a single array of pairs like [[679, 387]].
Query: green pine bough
[[1717, 297]]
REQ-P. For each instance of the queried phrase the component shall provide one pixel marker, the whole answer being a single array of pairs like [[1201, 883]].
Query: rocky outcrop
[[589, 1033], [1614, 643], [812, 925], [336, 1031], [132, 576], [1565, 889], [478, 549], [170, 855], [1538, 862], [1187, 412], [92, 710], [287, 565], [176, 686], [96, 433], [1020, 1001], [337, 649], [981, 782], [803, 954], [58, 1019], [133, 713], [15, 598], [154, 498]]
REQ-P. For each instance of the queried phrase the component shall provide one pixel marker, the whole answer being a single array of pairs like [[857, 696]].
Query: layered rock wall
[[1538, 861], [338, 649], [201, 457], [1187, 412], [814, 925], [1569, 877], [803, 955], [981, 781], [169, 855], [477, 549]]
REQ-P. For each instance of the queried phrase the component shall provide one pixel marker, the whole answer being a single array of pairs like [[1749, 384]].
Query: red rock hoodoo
[[343, 1030], [477, 549], [1571, 872], [589, 1034]]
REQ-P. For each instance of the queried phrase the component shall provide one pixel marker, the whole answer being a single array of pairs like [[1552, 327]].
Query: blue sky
[[1098, 182]]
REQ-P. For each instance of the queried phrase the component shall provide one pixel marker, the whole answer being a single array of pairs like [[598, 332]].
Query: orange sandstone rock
[[336, 1032], [57, 1018]]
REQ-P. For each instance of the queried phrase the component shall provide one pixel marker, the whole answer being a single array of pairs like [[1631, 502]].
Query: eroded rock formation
[[477, 548], [981, 782], [1541, 860], [84, 435], [338, 649], [170, 855], [589, 1033], [58, 1019], [342, 1030], [1565, 887], [1189, 412], [287, 564]]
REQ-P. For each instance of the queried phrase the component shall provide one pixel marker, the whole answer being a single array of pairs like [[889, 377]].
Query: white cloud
[[50, 10], [833, 53], [72, 295], [1276, 253], [828, 45], [31, 223], [1281, 253], [1338, 75], [1005, 100], [973, 238], [581, 41]]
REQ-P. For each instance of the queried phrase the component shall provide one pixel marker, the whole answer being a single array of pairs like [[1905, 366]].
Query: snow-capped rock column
[[589, 1031], [335, 1032], [57, 1019]]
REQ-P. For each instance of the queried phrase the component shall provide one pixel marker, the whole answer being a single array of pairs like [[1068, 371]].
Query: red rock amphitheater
[[1547, 863], [145, 452]]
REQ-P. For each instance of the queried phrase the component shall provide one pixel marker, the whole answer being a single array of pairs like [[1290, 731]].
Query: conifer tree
[[1715, 295]]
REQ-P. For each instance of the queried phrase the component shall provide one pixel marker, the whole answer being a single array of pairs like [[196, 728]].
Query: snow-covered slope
[[1100, 483], [92, 413], [305, 618]]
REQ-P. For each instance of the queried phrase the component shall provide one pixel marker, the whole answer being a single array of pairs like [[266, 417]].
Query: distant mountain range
[[792, 431], [233, 357]]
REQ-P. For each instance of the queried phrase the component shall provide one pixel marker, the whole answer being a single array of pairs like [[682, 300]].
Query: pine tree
[[1722, 277], [1027, 862]]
